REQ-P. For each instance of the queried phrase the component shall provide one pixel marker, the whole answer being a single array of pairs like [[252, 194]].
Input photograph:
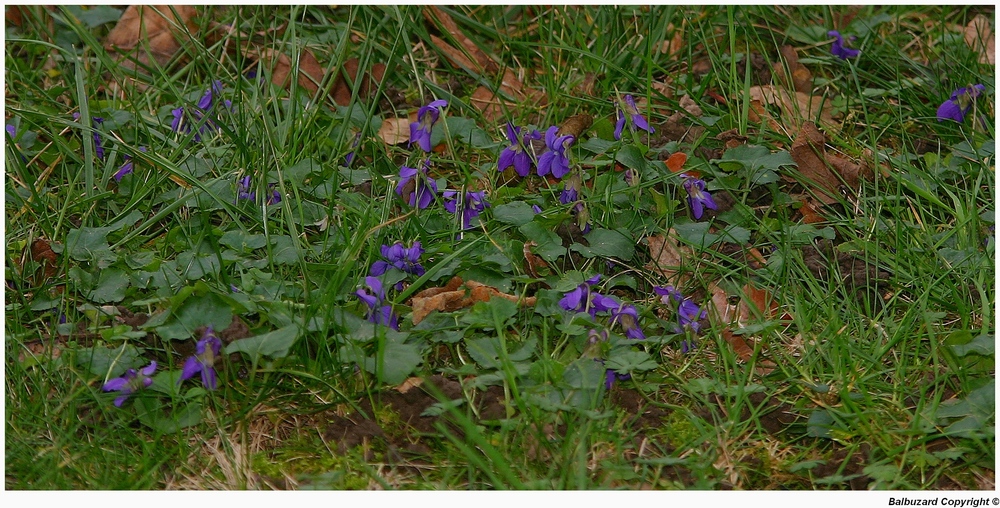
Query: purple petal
[[209, 378], [619, 125], [191, 367]]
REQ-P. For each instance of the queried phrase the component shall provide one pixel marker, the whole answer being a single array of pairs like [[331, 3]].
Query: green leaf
[[517, 213], [151, 414], [399, 359], [759, 164], [820, 423], [631, 157], [110, 362], [89, 244], [486, 351], [549, 245], [204, 310], [273, 344], [626, 361], [111, 285], [982, 345], [609, 243], [297, 173], [487, 315], [242, 241], [284, 250]]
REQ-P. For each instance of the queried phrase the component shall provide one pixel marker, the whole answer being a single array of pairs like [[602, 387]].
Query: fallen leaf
[[533, 263], [482, 60], [667, 256], [689, 105], [796, 108], [489, 104], [395, 131], [814, 164], [409, 384], [675, 163], [576, 125], [310, 71], [672, 47], [801, 78], [41, 253], [979, 37], [153, 27], [453, 297]]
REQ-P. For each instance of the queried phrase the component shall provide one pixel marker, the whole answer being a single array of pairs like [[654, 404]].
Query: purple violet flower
[[688, 313], [401, 258], [377, 312], [126, 168], [838, 48], [473, 204], [243, 189], [583, 299], [610, 376], [11, 131], [555, 160], [415, 187], [698, 198], [206, 351], [130, 383], [959, 104], [182, 120], [427, 116], [517, 153], [627, 108], [627, 316]]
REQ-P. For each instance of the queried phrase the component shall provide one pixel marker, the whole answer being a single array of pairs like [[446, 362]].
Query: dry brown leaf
[[533, 263], [453, 297], [795, 108], [41, 253], [310, 71], [801, 80], [409, 384], [692, 107], [979, 37], [489, 104], [667, 256], [483, 61], [153, 26], [822, 169], [743, 350], [675, 44], [808, 152], [395, 131]]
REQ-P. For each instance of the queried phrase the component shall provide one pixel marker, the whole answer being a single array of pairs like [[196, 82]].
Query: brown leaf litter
[[458, 294]]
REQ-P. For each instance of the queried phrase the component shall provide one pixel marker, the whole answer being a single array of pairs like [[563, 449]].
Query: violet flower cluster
[[206, 352], [838, 49], [689, 314], [131, 382], [584, 299], [184, 119], [98, 141], [379, 312], [427, 116], [520, 154], [243, 191], [960, 103], [404, 259], [697, 197], [470, 206], [396, 256], [628, 114], [127, 167]]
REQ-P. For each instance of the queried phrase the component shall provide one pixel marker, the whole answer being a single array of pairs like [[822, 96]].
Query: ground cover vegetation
[[499, 247]]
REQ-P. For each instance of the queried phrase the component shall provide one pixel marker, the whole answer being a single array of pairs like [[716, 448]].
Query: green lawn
[[725, 250]]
